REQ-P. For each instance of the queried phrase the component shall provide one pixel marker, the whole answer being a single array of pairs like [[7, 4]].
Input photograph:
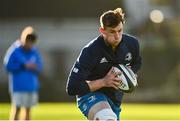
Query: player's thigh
[[89, 100], [98, 107]]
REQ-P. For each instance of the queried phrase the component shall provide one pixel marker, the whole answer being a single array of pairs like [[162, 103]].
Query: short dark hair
[[31, 38], [112, 18]]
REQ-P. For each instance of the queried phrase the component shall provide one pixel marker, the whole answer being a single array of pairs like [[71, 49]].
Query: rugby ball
[[128, 78]]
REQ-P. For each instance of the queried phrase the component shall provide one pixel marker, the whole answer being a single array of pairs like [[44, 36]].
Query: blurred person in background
[[23, 64], [92, 79]]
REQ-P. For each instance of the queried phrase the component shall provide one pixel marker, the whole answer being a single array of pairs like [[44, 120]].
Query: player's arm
[[36, 65], [110, 80], [13, 61], [39, 62], [76, 84], [137, 61]]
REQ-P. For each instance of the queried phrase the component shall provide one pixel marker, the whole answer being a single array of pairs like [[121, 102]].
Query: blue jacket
[[22, 79], [95, 60]]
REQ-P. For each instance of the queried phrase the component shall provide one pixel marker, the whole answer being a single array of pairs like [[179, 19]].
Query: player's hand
[[31, 66], [111, 79]]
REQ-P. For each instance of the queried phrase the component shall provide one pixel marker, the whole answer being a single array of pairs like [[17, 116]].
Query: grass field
[[69, 111]]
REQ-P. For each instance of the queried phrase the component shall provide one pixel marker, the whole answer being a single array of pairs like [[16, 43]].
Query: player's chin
[[115, 43]]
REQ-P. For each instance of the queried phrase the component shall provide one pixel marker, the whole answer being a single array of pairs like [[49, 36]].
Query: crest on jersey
[[128, 56]]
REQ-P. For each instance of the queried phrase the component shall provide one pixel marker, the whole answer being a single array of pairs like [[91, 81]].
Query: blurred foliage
[[161, 2], [160, 47]]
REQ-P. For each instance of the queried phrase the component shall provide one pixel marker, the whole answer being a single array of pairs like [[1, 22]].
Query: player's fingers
[[115, 87], [111, 71], [118, 73], [116, 83], [117, 79]]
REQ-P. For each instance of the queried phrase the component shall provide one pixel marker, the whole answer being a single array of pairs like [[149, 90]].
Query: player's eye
[[119, 30], [112, 32]]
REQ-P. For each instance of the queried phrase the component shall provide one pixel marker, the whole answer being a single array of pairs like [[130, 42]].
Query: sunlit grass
[[57, 111], [150, 112], [69, 111]]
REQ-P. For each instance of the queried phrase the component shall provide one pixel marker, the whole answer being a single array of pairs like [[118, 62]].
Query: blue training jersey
[[96, 59], [22, 79]]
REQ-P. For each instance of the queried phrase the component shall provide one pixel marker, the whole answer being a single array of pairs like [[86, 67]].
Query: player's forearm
[[11, 67], [95, 84]]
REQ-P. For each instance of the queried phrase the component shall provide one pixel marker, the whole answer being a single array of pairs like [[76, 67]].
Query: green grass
[[69, 111]]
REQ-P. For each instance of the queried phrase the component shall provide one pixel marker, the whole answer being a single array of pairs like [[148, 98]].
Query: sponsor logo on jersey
[[103, 60]]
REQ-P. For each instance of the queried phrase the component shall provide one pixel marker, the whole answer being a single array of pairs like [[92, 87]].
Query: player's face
[[28, 45], [113, 36]]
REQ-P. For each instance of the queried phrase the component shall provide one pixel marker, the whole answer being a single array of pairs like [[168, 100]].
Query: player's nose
[[117, 35]]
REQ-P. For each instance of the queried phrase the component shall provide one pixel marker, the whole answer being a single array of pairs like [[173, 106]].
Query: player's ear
[[101, 30]]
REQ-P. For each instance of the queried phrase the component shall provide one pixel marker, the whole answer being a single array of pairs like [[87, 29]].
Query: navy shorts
[[87, 101]]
